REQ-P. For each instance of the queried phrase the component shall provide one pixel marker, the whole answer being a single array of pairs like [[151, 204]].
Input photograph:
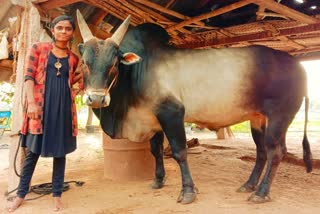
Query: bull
[[139, 88]]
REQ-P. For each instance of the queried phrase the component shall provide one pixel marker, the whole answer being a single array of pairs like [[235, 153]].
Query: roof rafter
[[312, 28], [286, 11], [167, 11], [210, 14]]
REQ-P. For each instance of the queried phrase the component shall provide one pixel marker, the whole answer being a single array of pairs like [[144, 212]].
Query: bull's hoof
[[157, 184], [245, 189], [259, 199], [187, 197]]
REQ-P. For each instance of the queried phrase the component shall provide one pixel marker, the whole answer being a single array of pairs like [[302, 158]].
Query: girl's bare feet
[[15, 204], [58, 205]]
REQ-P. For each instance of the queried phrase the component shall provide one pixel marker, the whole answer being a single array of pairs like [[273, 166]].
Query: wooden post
[[89, 126], [30, 29], [224, 133]]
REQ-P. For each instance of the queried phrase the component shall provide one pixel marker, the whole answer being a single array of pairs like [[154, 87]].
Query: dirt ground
[[218, 168]]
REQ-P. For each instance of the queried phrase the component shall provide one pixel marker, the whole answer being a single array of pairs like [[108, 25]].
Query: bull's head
[[100, 59]]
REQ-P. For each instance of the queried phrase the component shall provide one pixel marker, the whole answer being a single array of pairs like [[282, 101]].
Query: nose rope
[[110, 86]]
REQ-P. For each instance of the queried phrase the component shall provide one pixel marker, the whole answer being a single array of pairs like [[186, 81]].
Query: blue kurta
[[57, 139]]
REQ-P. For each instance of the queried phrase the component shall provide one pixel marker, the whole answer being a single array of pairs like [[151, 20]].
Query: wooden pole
[[30, 32]]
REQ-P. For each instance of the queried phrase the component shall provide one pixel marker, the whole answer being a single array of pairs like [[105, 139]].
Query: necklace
[[58, 65], [61, 48]]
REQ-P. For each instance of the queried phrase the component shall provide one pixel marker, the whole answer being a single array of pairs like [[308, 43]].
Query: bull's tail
[[307, 156]]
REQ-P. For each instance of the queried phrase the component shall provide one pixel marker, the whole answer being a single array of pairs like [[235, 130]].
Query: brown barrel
[[127, 160]]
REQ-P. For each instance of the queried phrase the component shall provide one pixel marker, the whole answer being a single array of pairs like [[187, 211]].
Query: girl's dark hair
[[63, 18]]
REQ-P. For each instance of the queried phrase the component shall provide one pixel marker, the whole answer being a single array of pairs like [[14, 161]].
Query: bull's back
[[219, 87]]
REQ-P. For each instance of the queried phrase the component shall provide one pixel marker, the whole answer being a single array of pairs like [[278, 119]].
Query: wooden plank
[[51, 4], [312, 28], [210, 14], [286, 11]]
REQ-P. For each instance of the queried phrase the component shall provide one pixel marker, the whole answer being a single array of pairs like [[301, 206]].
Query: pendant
[[58, 65]]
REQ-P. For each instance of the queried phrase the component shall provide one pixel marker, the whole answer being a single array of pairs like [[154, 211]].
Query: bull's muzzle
[[96, 98]]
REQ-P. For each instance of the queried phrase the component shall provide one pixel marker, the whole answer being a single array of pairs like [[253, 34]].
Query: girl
[[50, 121]]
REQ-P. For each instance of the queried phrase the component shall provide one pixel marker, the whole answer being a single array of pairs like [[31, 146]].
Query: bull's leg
[[258, 126], [156, 144], [171, 117], [275, 145]]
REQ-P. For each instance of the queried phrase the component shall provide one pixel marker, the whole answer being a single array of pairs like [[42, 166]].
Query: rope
[[44, 189], [40, 189]]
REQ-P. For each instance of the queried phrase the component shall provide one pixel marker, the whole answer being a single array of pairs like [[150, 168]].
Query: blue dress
[[57, 139]]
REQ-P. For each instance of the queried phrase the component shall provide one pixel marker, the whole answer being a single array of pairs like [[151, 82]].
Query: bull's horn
[[119, 34], [83, 27]]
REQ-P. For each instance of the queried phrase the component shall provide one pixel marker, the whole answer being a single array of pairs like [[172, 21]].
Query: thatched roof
[[289, 25]]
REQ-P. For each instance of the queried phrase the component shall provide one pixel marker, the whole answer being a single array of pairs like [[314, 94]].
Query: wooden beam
[[131, 9], [115, 11], [51, 4], [269, 27], [169, 3], [286, 11], [210, 14], [259, 12], [291, 42], [305, 51], [97, 32], [312, 28], [265, 14], [161, 20], [154, 14], [167, 11]]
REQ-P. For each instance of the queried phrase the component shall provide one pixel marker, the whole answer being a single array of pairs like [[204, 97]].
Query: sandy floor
[[218, 169]]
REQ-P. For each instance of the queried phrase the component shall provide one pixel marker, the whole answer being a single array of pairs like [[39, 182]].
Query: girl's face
[[63, 31]]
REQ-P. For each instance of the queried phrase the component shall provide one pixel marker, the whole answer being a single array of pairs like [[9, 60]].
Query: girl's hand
[[32, 110], [78, 78]]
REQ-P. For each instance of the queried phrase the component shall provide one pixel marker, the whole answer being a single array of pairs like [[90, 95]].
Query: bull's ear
[[130, 58], [80, 48]]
